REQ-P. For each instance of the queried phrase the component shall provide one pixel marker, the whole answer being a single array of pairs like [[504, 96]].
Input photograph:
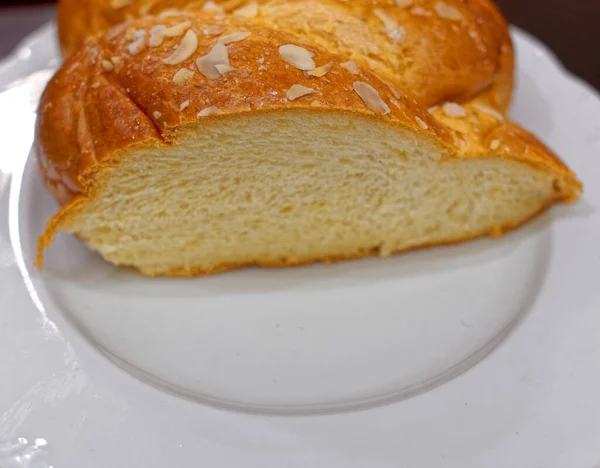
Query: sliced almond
[[212, 30], [137, 46], [170, 12], [157, 35], [386, 19], [297, 91], [218, 55], [456, 111], [448, 12], [182, 76], [224, 68], [351, 66], [108, 66], [420, 11], [320, 71], [494, 145], [178, 29], [208, 111], [247, 11], [139, 33], [213, 8], [396, 35], [297, 56], [489, 111], [371, 97], [421, 123], [233, 37], [394, 91], [118, 63], [184, 105], [118, 4], [184, 50]]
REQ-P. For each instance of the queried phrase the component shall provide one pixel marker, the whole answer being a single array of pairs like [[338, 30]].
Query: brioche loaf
[[286, 133]]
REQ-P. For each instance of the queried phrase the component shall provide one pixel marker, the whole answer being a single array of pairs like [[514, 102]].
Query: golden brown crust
[[437, 58]]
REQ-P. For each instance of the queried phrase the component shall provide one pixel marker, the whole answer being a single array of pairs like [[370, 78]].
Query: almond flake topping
[[297, 91], [184, 50], [456, 111], [118, 4], [297, 57], [208, 111], [118, 62], [448, 12], [397, 35], [108, 66], [184, 105], [371, 97], [404, 3], [222, 68], [489, 111], [182, 76], [320, 71], [248, 11], [212, 30], [419, 11], [137, 46], [351, 66], [178, 29], [421, 123], [233, 37], [157, 115], [207, 65], [157, 35], [170, 12], [213, 8], [386, 19], [494, 145]]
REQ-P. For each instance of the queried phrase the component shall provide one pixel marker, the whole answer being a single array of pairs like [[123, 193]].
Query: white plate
[[351, 341]]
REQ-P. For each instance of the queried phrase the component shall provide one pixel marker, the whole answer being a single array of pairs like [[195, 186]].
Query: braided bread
[[190, 142]]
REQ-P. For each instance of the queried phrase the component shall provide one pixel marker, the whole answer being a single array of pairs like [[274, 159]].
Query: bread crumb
[[108, 66], [184, 105], [157, 115], [494, 145]]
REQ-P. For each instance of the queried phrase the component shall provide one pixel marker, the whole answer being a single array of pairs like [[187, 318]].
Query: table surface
[[570, 27]]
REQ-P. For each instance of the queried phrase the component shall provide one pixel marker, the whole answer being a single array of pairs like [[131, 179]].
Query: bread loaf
[[286, 133]]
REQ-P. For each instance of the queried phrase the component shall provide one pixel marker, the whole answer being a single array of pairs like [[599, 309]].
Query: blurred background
[[570, 27]]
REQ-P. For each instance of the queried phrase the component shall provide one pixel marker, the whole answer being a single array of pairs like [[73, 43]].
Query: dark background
[[570, 27]]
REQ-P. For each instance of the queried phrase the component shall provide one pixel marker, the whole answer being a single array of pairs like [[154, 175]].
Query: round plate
[[334, 339]]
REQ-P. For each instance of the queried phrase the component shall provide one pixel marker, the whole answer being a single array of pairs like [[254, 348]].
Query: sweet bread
[[194, 142]]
